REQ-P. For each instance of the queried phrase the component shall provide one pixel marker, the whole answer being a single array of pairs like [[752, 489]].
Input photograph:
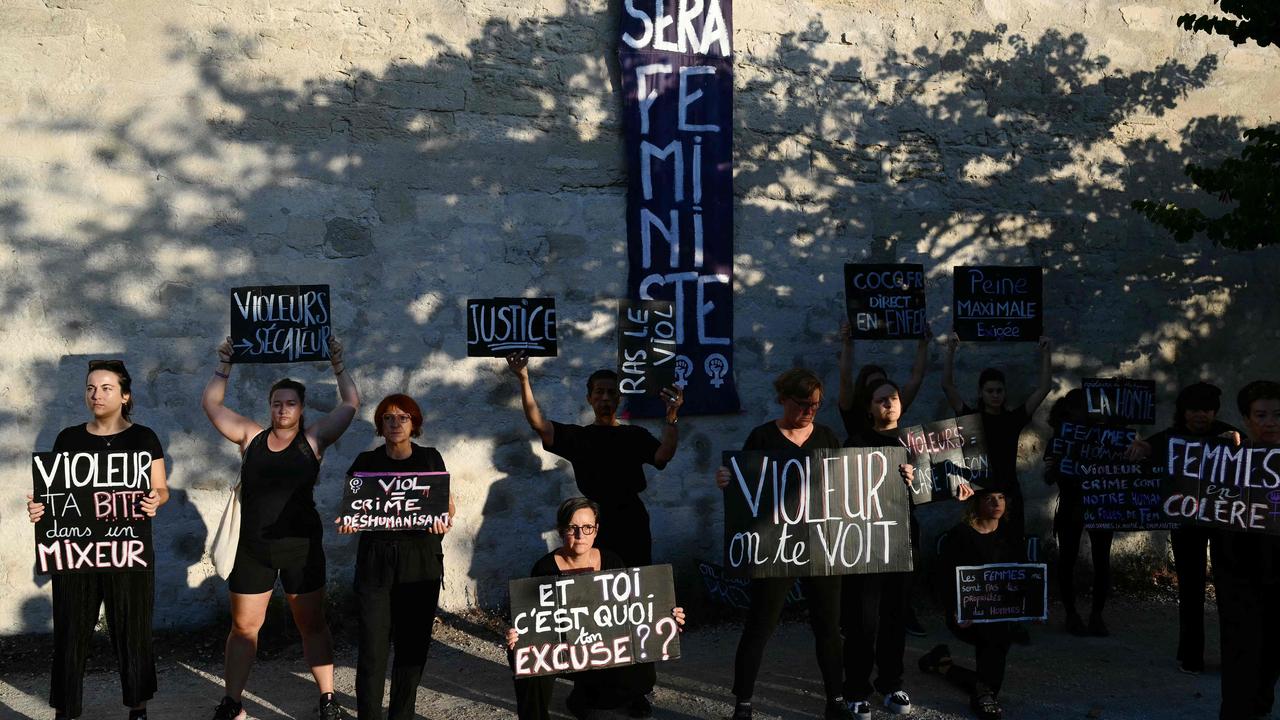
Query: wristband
[[224, 376]]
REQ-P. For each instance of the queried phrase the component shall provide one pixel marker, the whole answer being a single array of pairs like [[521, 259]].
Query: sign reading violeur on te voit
[[885, 301], [280, 323], [93, 517], [497, 327], [395, 501], [992, 303], [820, 512], [588, 621]]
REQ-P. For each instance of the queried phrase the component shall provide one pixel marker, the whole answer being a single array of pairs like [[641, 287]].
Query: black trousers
[[392, 612], [990, 643], [1070, 528], [596, 689], [129, 598], [1189, 546], [767, 599], [1250, 647], [874, 618]]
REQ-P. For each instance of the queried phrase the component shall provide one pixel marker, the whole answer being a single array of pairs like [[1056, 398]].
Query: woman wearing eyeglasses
[[398, 572], [578, 520], [129, 595]]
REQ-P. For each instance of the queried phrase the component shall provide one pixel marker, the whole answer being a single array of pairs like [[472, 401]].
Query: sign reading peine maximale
[[677, 87]]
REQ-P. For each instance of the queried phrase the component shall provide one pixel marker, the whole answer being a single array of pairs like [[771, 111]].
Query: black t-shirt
[[1002, 432], [418, 554], [769, 437], [547, 567], [966, 546], [1160, 441], [855, 423], [608, 461], [138, 440], [870, 438]]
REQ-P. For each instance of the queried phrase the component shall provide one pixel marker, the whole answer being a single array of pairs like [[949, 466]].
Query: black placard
[[1115, 493], [590, 621], [735, 592], [1002, 592], [395, 501], [824, 512], [647, 356], [946, 454], [93, 517], [885, 301], [1214, 484], [497, 327], [1121, 400], [994, 303], [280, 323]]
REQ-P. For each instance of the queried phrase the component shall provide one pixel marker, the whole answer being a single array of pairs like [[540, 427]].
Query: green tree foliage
[[1252, 181]]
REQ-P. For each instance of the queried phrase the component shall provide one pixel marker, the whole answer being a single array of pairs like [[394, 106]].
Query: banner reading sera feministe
[[677, 86]]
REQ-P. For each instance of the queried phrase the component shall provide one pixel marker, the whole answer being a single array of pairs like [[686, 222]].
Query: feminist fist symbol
[[717, 366]]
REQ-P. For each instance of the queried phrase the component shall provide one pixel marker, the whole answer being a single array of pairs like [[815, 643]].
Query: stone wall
[[155, 154]]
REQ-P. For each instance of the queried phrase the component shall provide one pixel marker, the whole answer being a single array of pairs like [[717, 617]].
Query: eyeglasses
[[401, 419], [805, 404], [584, 530]]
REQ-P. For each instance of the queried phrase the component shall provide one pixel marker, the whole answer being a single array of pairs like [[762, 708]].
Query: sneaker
[[898, 702], [328, 708], [986, 706], [1075, 626], [640, 708], [860, 709], [741, 711], [228, 709], [138, 714], [1188, 669], [837, 710], [1097, 628]]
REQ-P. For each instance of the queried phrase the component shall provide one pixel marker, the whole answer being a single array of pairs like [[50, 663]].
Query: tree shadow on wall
[[499, 161]]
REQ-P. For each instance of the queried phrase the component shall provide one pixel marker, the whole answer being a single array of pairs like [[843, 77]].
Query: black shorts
[[252, 575]]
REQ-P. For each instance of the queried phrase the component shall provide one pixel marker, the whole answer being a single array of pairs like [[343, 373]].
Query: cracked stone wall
[[412, 155]]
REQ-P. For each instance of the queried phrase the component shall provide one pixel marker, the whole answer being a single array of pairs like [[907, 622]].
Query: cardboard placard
[[885, 301], [946, 454], [1002, 592], [1213, 484], [647, 355], [820, 512], [734, 592], [280, 323], [998, 304], [93, 518], [1120, 400], [1117, 494], [497, 327], [395, 501], [589, 621]]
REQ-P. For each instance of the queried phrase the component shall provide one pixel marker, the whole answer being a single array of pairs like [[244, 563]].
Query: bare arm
[[519, 364], [846, 367], [233, 426], [912, 386], [330, 427], [949, 375], [1046, 377], [159, 494], [674, 398]]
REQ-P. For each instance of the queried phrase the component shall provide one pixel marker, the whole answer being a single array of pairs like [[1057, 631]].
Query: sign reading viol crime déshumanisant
[[93, 518], [280, 323], [820, 512], [677, 88], [395, 501]]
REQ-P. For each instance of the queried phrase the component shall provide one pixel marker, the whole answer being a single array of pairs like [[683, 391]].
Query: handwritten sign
[[946, 454], [885, 301], [824, 512], [1002, 592], [395, 501], [589, 621], [993, 303], [280, 324], [646, 346], [677, 109], [93, 518], [1116, 494], [1213, 484], [1121, 400], [735, 592], [497, 327]]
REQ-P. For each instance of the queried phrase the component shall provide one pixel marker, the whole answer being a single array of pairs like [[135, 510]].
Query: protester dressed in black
[[398, 572], [280, 531], [1195, 415], [578, 521], [1246, 574], [799, 392], [1001, 425], [981, 539], [129, 596]]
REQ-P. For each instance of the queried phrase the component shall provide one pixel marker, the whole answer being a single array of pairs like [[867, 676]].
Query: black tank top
[[278, 515]]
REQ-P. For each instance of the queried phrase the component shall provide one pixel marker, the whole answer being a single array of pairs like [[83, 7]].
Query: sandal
[[937, 661], [987, 707]]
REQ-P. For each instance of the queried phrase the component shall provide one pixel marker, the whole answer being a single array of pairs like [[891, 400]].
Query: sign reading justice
[[93, 518], [497, 327], [280, 324]]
